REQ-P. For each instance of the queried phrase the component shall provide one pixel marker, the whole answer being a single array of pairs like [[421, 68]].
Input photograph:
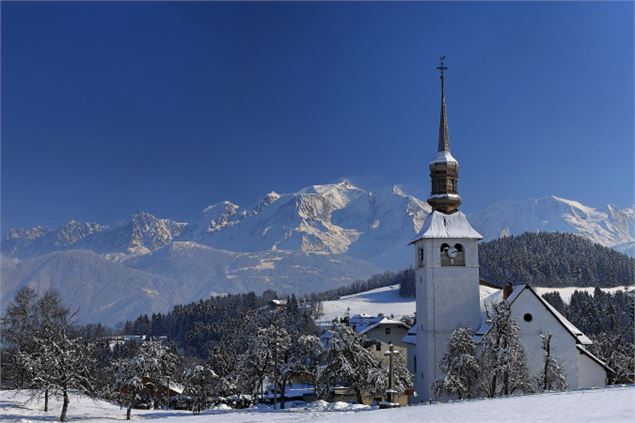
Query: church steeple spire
[[444, 136], [444, 169]]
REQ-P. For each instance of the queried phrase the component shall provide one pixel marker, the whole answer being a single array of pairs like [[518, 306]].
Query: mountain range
[[318, 238]]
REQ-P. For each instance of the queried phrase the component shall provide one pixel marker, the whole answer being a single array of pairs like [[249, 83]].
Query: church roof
[[444, 157], [441, 225]]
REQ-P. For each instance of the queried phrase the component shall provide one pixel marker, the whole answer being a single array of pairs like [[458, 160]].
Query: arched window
[[452, 255]]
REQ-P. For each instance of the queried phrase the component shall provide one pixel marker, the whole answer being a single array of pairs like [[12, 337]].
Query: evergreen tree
[[459, 366]]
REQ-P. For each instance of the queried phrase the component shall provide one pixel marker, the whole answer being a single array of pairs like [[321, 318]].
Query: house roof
[[363, 323], [440, 225], [410, 337]]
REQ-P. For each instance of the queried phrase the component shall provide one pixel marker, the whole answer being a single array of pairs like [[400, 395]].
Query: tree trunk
[[358, 394], [506, 383], [129, 411], [64, 407], [46, 400], [284, 385], [492, 387]]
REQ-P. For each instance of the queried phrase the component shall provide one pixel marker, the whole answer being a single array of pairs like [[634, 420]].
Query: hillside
[[554, 260]]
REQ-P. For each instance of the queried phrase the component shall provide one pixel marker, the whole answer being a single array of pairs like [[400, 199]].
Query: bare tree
[[551, 378]]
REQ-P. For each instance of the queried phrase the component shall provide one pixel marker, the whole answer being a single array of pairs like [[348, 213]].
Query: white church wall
[[591, 374], [563, 345]]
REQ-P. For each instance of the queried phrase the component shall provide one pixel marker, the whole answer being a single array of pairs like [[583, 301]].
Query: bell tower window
[[452, 255], [421, 257]]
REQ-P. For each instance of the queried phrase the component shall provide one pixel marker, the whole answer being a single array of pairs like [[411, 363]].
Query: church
[[448, 290]]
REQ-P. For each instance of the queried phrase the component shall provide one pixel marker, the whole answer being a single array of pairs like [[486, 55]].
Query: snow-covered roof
[[441, 225], [411, 336], [444, 157], [363, 323]]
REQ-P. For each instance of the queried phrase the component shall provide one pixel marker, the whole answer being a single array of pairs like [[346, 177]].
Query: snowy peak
[[329, 219], [22, 233], [144, 232], [74, 231], [268, 199], [214, 218], [140, 234]]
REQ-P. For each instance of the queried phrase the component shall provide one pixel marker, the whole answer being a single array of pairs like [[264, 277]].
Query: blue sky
[[109, 108]]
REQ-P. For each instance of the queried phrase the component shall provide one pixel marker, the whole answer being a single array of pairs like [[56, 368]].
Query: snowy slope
[[100, 290], [384, 300], [202, 271], [615, 405]]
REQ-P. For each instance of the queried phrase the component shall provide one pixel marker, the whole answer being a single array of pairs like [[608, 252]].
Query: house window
[[528, 317], [378, 346], [387, 331]]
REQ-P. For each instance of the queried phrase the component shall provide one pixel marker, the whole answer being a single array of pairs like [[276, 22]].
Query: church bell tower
[[446, 265]]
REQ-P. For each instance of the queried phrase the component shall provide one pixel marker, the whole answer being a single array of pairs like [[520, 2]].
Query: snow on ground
[[615, 405]]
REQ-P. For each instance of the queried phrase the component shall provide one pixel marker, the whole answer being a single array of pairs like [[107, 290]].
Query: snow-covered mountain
[[139, 234], [318, 238], [610, 228]]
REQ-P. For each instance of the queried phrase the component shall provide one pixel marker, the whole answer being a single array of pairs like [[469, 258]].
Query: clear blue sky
[[109, 108]]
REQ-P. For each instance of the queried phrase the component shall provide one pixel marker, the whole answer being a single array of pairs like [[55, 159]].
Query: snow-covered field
[[614, 405], [381, 300]]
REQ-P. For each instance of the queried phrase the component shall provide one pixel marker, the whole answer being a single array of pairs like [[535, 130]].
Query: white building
[[447, 289], [382, 331]]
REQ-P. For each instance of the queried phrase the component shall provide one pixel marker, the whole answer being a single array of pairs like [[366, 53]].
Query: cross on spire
[[442, 68]]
